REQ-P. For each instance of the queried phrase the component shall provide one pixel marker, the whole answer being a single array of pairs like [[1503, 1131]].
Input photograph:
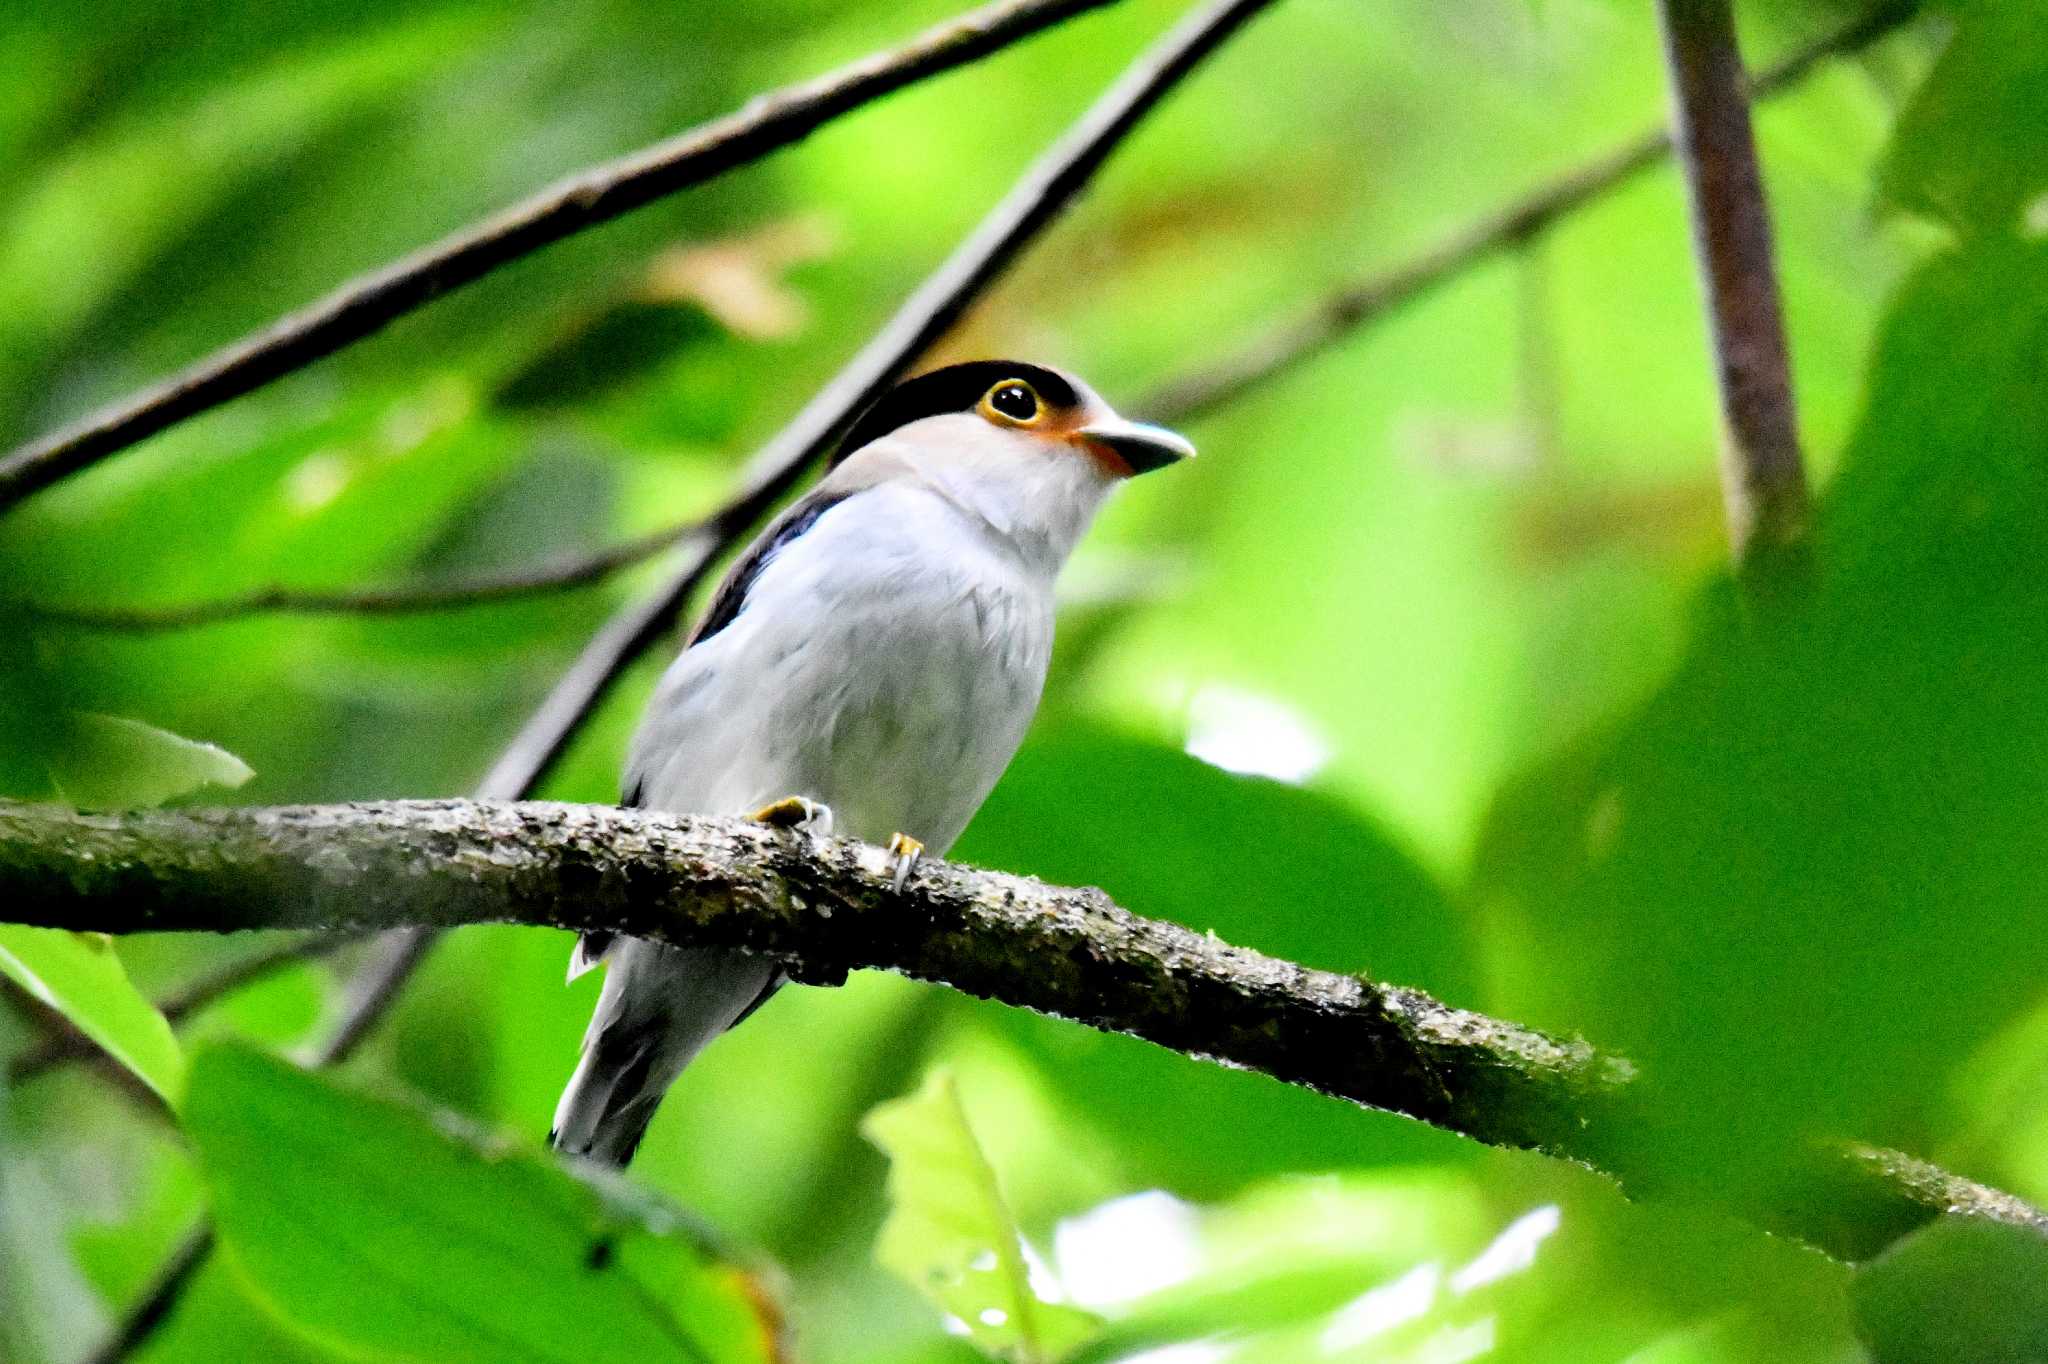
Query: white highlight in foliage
[[1382, 1309], [1126, 1248], [1186, 1352], [1511, 1252], [1241, 731]]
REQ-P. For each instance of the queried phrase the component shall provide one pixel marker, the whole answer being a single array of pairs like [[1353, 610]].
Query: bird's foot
[[904, 852], [796, 812]]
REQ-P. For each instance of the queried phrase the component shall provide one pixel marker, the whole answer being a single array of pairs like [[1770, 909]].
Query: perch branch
[[1763, 478], [827, 907], [366, 305]]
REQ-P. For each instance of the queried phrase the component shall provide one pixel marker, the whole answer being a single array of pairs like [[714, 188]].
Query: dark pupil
[[1014, 401]]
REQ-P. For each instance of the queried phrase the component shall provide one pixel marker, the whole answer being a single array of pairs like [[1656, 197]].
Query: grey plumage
[[880, 651]]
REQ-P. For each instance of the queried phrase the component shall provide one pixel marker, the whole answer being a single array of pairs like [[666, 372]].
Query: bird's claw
[[796, 812], [904, 852]]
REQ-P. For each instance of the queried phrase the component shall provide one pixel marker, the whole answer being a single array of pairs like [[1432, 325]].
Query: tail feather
[[660, 1006], [605, 1109]]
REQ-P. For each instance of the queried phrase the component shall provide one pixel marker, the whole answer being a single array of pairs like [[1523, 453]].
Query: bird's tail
[[659, 1008]]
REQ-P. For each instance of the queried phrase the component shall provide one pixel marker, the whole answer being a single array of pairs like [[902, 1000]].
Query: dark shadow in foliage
[[1287, 871], [1808, 877], [605, 353], [1958, 1290]]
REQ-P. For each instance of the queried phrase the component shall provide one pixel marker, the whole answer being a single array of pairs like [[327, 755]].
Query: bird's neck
[[1040, 517]]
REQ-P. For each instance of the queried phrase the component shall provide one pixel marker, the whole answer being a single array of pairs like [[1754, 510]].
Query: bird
[[867, 668]]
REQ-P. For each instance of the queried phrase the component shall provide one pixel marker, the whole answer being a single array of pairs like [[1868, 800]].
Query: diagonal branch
[[828, 907], [1194, 394], [1763, 477], [366, 305], [63, 1044], [1283, 347], [1037, 199]]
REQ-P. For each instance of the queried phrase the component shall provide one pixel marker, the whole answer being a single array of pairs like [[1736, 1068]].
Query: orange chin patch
[[1111, 463]]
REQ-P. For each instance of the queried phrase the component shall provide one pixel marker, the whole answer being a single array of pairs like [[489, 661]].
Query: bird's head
[[1031, 449]]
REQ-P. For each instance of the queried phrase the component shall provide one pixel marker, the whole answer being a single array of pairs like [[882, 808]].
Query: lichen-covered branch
[[826, 907]]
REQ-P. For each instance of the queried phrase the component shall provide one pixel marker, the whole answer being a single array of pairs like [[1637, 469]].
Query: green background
[[1454, 592]]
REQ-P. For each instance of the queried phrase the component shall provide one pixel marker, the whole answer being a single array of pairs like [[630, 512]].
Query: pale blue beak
[[1141, 445]]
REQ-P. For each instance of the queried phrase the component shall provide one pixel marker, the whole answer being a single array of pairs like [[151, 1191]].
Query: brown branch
[[1763, 478], [366, 305], [1370, 300], [828, 907], [1193, 394]]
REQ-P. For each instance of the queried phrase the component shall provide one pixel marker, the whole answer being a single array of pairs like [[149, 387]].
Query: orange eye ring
[[1013, 403]]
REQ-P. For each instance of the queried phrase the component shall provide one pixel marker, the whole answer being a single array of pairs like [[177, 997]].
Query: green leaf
[[111, 761], [1972, 147], [1962, 1288], [1296, 873], [951, 1236], [1803, 879], [390, 1235], [80, 975]]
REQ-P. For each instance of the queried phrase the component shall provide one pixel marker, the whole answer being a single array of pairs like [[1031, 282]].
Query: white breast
[[886, 663]]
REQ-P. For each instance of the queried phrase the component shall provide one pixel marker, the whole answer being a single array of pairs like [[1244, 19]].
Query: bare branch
[[565, 574], [64, 1044], [828, 907], [1358, 305], [1031, 205], [366, 305], [1196, 393], [1763, 477]]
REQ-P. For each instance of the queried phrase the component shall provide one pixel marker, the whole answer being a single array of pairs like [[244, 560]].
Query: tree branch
[[1031, 205], [366, 305], [1763, 478], [1194, 394], [1280, 349], [564, 574], [827, 907], [1038, 197], [64, 1043]]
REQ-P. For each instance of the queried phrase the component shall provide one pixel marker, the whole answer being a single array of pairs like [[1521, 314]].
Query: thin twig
[[64, 1043], [1196, 393], [365, 305], [564, 574], [1372, 299], [829, 906], [1763, 478], [1037, 199]]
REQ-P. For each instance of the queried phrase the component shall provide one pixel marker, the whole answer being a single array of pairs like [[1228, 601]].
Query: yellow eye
[[1013, 401]]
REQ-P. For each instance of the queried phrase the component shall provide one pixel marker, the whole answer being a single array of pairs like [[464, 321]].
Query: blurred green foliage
[[374, 1231], [1427, 669]]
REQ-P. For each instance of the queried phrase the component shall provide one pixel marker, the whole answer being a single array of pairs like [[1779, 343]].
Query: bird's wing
[[726, 604]]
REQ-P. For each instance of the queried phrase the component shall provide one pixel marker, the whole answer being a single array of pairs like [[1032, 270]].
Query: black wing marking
[[731, 597]]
